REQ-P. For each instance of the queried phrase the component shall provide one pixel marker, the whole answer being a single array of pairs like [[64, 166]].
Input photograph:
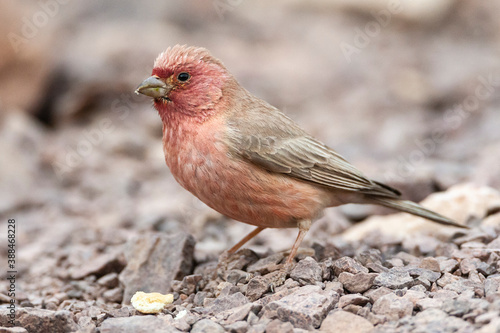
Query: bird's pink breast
[[200, 161]]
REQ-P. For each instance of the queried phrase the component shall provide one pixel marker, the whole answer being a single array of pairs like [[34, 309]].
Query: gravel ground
[[408, 94]]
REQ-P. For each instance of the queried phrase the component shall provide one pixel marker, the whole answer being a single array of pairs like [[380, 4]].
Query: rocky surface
[[408, 94]]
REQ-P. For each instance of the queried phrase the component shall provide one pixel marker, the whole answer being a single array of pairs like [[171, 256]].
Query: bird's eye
[[183, 77]]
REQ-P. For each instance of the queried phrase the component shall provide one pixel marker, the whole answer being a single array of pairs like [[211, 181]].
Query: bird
[[248, 160]]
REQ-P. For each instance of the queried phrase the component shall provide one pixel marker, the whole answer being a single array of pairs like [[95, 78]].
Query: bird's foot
[[277, 278]]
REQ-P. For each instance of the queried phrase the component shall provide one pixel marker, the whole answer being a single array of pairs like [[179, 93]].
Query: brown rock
[[428, 303], [357, 283], [224, 303], [266, 265], [137, 324], [343, 321], [154, 261], [277, 326], [207, 326], [113, 295], [242, 259], [375, 294], [305, 308], [307, 271], [355, 299], [448, 265], [414, 296], [257, 287], [240, 313], [395, 278], [430, 263], [347, 264], [188, 284], [279, 294], [236, 276], [109, 280], [492, 286], [103, 264], [237, 327], [393, 306], [446, 279], [39, 320]]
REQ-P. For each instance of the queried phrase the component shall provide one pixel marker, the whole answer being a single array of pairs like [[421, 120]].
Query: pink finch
[[245, 158]]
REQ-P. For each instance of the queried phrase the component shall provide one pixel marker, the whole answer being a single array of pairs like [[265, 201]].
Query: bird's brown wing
[[279, 145]]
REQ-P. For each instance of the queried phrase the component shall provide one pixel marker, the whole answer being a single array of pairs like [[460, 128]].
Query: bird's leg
[[245, 239], [226, 255], [285, 270]]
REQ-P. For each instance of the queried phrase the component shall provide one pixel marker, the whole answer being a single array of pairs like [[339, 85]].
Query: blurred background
[[408, 91]]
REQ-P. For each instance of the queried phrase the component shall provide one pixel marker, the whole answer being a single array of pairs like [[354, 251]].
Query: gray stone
[[429, 303], [414, 296], [237, 327], [307, 271], [357, 283], [109, 280], [335, 286], [468, 265], [393, 306], [207, 326], [240, 313], [103, 264], [375, 294], [342, 321], [114, 295], [456, 307], [188, 285], [304, 308], [395, 278], [446, 279], [436, 320], [486, 269], [424, 273], [486, 317], [349, 265], [242, 259], [371, 256], [266, 265], [376, 267], [40, 320], [236, 276], [492, 286], [257, 287], [278, 326], [258, 328], [464, 286], [355, 299], [448, 265], [430, 263], [224, 303], [154, 261]]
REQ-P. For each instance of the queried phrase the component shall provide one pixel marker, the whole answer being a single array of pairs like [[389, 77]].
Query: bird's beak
[[154, 87]]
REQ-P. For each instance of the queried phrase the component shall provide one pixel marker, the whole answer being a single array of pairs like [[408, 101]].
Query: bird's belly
[[248, 193]]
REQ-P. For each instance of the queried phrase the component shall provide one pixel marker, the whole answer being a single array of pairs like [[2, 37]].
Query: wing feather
[[279, 145]]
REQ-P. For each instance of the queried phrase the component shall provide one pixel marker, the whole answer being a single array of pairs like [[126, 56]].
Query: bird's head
[[186, 81]]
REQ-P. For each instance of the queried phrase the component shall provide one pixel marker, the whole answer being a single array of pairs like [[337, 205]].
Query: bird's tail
[[415, 209]]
